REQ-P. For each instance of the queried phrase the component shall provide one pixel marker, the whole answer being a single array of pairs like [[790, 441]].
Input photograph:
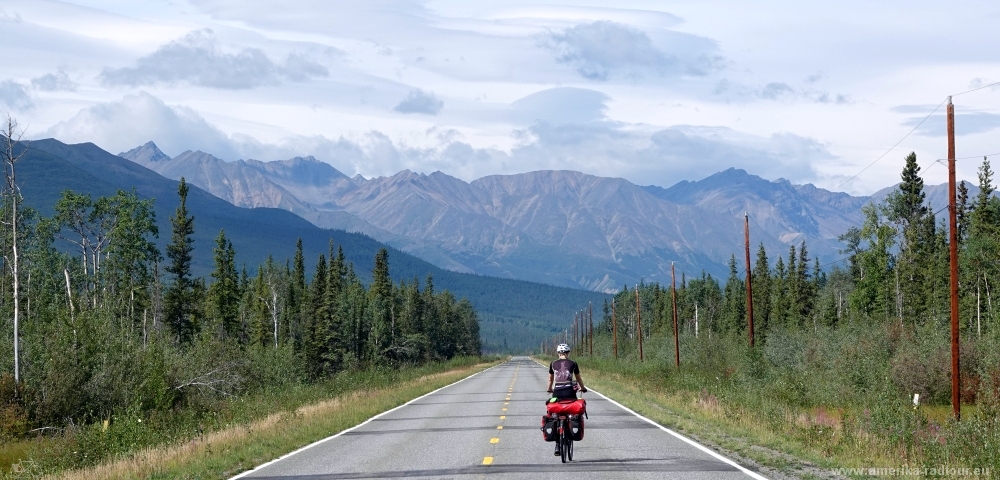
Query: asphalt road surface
[[487, 425]]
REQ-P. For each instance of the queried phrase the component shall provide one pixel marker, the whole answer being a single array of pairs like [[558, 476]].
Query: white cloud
[[606, 50], [199, 59], [15, 96], [642, 154], [51, 82], [560, 105], [136, 119], [418, 101], [779, 91]]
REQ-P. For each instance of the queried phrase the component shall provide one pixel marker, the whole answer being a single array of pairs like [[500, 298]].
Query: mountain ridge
[[520, 312], [561, 227]]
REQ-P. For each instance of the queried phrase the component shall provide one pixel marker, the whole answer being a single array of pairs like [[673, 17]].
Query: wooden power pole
[[956, 384], [746, 235], [673, 298], [590, 324], [638, 320], [614, 328]]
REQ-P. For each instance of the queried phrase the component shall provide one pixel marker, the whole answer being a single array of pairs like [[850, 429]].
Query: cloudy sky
[[652, 91]]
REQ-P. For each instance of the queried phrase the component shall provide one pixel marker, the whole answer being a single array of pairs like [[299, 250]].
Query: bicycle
[[566, 413]]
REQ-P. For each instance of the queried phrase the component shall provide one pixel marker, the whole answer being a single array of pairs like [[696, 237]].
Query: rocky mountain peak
[[145, 154]]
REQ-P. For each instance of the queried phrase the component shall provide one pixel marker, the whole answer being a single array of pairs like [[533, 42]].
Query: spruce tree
[[962, 210], [178, 301], [761, 281], [314, 343], [792, 288], [735, 299], [296, 297], [804, 297], [224, 292], [905, 208], [906, 205]]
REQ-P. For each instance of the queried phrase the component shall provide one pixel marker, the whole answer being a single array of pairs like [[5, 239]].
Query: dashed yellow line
[[510, 390]]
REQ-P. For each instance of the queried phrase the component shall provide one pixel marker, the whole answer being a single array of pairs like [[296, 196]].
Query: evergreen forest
[[840, 349], [100, 325]]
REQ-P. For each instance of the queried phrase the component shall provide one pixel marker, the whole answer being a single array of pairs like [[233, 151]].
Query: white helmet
[[562, 348]]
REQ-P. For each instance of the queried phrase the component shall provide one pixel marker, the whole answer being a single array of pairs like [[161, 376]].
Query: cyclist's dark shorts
[[564, 393]]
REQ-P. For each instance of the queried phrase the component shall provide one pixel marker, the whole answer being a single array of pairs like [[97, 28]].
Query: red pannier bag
[[567, 407]]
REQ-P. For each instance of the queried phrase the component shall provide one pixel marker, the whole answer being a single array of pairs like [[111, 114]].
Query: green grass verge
[[777, 438], [258, 428]]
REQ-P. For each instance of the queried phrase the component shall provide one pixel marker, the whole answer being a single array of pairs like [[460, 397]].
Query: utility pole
[[746, 235], [638, 318], [956, 400], [614, 328], [673, 297], [576, 330], [590, 320]]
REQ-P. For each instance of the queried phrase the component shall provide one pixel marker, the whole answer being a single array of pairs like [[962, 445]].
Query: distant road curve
[[488, 425]]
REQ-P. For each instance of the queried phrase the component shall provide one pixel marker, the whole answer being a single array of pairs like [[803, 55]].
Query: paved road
[[487, 425]]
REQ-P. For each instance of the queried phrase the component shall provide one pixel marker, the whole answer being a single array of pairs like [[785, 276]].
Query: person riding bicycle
[[561, 384]]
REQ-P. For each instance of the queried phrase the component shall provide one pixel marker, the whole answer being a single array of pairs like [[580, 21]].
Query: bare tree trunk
[[69, 295], [274, 315], [695, 320], [10, 158], [979, 330], [17, 284], [989, 297]]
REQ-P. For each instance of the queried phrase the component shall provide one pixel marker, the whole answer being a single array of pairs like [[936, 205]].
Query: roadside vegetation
[[108, 347], [840, 351], [251, 431]]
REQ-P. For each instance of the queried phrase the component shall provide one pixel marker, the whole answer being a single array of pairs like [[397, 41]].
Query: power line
[[967, 158], [915, 129], [974, 89], [895, 145]]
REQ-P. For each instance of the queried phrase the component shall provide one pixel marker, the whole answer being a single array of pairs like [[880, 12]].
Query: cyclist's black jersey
[[562, 371]]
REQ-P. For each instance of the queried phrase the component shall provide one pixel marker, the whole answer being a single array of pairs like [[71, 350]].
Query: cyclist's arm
[[551, 379], [579, 381]]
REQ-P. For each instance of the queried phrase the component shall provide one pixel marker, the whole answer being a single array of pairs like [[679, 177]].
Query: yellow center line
[[510, 389]]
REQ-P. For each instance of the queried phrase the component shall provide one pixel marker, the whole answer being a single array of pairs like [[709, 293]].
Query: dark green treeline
[[892, 286], [108, 324]]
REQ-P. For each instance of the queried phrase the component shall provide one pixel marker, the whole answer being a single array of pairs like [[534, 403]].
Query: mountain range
[[557, 227], [512, 312]]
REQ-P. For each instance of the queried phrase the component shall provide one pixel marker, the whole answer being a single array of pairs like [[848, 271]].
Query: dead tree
[[10, 155]]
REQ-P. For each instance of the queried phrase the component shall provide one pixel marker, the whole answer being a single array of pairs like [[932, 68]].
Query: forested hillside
[[99, 330], [840, 349], [517, 312]]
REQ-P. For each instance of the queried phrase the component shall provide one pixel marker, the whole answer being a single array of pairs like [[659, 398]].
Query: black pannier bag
[[550, 430], [576, 427]]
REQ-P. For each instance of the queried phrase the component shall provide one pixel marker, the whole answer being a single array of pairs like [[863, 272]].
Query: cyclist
[[561, 384]]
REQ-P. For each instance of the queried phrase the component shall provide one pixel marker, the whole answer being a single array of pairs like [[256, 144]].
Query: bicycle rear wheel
[[569, 446], [564, 447]]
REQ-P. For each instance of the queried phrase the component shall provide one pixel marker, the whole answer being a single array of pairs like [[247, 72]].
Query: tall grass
[[128, 433], [834, 397]]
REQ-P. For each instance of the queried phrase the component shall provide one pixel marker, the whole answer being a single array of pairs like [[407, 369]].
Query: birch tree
[[13, 150]]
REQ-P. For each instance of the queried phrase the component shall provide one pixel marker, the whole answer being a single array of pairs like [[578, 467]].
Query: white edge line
[[693, 443], [331, 437]]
